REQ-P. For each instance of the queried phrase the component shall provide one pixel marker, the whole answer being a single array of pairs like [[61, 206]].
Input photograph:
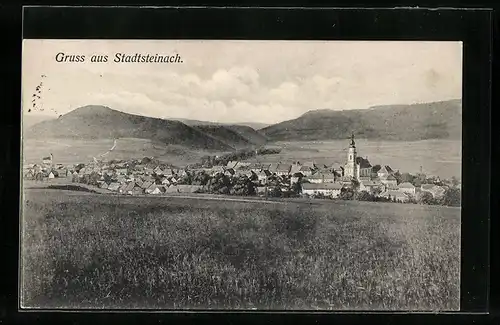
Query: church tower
[[350, 166]]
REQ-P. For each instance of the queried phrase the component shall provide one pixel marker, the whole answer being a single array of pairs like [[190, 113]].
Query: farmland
[[88, 250]]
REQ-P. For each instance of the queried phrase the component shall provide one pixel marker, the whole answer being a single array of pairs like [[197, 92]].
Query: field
[[101, 251], [70, 151]]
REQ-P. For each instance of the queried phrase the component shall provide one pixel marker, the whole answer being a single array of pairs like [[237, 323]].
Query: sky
[[239, 81]]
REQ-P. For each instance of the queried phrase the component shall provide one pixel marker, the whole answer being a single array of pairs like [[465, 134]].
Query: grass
[[83, 250]]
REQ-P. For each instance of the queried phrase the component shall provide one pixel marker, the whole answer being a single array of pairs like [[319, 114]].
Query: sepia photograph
[[241, 175]]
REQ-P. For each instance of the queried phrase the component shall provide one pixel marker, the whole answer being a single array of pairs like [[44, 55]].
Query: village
[[356, 179]]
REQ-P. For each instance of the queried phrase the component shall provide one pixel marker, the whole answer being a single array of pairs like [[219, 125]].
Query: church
[[357, 168]]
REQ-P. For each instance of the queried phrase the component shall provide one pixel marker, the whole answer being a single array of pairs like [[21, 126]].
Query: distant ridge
[[101, 122], [253, 125], [435, 120]]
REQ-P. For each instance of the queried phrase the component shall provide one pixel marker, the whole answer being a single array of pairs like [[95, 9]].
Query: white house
[[389, 181], [370, 186], [327, 189], [283, 169], [395, 195], [407, 188]]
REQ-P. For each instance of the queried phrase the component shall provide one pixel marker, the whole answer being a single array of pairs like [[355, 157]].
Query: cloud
[[247, 81]]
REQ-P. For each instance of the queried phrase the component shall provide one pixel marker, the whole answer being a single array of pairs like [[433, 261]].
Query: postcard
[[241, 175]]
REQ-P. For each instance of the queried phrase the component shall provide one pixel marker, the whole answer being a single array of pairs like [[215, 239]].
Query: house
[[267, 167], [295, 168], [114, 187], [384, 171], [153, 189], [272, 168], [146, 184], [158, 171], [389, 181], [232, 164], [51, 175], [315, 178], [167, 172], [137, 190], [248, 173], [406, 187], [327, 189], [229, 172], [256, 167], [129, 187], [261, 190], [283, 169], [263, 175], [103, 185], [306, 171], [296, 177], [327, 177], [165, 181], [243, 165], [122, 188], [216, 170], [370, 186], [157, 190], [121, 171], [395, 196]]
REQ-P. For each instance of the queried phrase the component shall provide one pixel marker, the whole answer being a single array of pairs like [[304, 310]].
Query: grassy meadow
[[71, 151], [84, 250]]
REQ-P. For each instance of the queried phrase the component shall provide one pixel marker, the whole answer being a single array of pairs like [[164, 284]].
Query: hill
[[246, 131], [100, 122], [436, 120], [249, 133], [226, 135]]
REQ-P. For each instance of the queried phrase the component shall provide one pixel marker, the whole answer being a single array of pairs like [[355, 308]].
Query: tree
[[406, 178], [274, 191], [364, 196], [397, 175], [425, 198], [419, 179], [296, 188], [355, 184], [454, 181], [346, 193], [452, 197]]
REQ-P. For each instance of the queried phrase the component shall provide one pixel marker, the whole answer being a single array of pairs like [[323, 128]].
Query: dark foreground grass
[[97, 251]]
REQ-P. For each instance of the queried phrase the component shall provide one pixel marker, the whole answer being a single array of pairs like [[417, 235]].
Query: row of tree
[[451, 197], [242, 154]]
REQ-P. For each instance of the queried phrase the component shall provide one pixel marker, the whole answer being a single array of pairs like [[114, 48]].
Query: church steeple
[[352, 144], [350, 168]]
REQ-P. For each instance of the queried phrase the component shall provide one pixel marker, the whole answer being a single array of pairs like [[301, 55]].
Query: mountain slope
[[225, 134], [437, 120], [100, 122], [244, 130], [248, 133]]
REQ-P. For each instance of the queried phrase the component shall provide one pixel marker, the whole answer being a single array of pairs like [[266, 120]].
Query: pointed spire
[[352, 144]]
